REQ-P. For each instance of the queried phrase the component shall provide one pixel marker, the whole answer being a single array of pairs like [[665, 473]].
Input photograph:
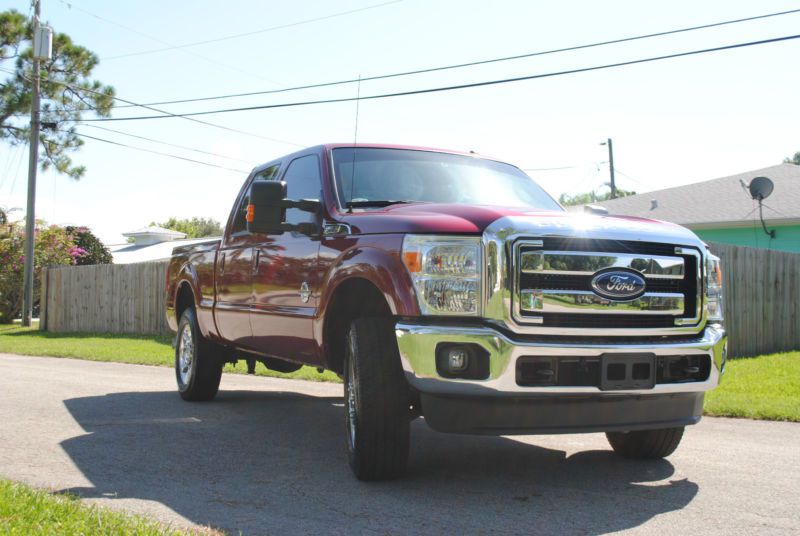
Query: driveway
[[267, 457]]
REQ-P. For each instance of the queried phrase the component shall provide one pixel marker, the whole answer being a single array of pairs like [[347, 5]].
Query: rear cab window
[[303, 181]]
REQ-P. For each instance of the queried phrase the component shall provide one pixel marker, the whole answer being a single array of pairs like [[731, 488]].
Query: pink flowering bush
[[89, 248], [53, 246], [76, 252]]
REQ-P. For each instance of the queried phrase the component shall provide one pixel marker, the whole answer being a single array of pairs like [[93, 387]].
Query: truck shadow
[[268, 462]]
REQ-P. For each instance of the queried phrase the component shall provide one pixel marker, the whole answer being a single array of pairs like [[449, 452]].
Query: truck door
[[234, 276], [285, 280]]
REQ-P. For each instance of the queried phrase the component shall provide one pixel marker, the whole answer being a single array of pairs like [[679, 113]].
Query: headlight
[[714, 288], [446, 271]]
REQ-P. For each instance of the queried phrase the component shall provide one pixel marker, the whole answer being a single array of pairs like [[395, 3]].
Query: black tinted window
[[303, 181], [239, 223]]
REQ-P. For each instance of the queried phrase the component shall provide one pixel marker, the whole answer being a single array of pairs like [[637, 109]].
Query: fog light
[[463, 361], [457, 360]]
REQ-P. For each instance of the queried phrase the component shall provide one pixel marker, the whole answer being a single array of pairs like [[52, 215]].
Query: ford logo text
[[618, 284]]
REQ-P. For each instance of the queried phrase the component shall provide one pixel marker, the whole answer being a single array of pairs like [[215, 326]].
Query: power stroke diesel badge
[[618, 284]]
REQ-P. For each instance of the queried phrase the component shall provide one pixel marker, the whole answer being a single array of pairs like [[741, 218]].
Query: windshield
[[404, 175]]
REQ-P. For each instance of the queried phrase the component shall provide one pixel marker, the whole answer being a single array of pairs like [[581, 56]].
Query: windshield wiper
[[378, 203]]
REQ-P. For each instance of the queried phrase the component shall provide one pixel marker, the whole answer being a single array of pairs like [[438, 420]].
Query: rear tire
[[646, 444], [197, 368], [376, 401]]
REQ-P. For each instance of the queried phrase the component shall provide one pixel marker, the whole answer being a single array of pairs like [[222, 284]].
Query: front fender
[[382, 267]]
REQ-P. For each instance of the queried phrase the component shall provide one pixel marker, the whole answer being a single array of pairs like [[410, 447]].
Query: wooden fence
[[105, 298], [762, 299]]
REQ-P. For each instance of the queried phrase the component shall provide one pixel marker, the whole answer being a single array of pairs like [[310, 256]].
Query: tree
[[94, 251], [590, 197], [53, 246], [5, 218], [194, 228], [793, 160], [67, 92]]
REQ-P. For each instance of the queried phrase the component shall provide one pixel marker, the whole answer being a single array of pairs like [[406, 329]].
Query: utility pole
[[41, 50], [613, 184]]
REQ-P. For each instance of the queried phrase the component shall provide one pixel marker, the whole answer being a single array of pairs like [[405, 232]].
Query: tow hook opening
[[612, 371]]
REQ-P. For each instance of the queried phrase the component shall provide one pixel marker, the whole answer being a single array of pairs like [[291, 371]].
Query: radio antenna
[[355, 141]]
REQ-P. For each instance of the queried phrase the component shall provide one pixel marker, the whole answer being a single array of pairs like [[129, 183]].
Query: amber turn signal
[[413, 261], [251, 213]]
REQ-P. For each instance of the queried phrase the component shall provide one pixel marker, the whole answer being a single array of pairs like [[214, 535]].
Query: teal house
[[722, 210]]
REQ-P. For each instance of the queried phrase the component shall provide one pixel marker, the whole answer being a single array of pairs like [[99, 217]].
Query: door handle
[[221, 263], [256, 260]]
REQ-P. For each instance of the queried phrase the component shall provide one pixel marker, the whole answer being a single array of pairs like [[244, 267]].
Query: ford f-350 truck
[[451, 287]]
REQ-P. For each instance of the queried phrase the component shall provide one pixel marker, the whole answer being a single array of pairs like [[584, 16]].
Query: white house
[[151, 244]]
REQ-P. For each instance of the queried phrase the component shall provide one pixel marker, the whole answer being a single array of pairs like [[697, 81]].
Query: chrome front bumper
[[418, 343]]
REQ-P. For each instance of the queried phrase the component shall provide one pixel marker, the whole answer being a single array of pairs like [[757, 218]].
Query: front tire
[[646, 444], [376, 401], [197, 369]]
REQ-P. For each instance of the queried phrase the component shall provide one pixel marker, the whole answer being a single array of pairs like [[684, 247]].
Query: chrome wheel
[[198, 362], [186, 351], [351, 393]]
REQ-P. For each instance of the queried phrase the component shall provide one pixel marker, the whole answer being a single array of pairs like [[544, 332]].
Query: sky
[[672, 122]]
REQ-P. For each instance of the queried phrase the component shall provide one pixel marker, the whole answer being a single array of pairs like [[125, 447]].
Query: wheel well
[[184, 299], [352, 299]]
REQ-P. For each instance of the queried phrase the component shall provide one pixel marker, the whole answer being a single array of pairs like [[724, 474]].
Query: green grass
[[24, 510], [136, 349], [140, 350], [764, 387]]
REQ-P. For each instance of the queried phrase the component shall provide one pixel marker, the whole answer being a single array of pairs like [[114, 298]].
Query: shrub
[[53, 246], [94, 251]]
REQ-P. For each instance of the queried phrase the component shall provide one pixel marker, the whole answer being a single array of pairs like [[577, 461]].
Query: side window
[[239, 223], [303, 181]]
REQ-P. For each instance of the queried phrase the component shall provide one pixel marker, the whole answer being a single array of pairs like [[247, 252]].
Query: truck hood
[[475, 219]]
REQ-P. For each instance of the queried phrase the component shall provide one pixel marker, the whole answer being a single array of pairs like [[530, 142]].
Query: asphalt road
[[267, 457]]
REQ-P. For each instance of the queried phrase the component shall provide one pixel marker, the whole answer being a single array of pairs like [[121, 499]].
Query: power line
[[70, 5], [160, 153], [255, 32], [167, 143], [475, 63], [168, 114], [16, 173], [590, 178], [629, 177], [459, 86], [11, 156]]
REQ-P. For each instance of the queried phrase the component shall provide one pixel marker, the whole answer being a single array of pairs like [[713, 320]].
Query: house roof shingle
[[723, 200]]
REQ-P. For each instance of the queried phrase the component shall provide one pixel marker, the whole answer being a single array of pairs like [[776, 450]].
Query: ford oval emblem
[[618, 284]]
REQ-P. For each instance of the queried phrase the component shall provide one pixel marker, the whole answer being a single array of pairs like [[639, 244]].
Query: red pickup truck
[[451, 287]]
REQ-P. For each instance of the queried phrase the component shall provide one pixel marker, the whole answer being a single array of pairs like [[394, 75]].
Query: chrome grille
[[553, 284]]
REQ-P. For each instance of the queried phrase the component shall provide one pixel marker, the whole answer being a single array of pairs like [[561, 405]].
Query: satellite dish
[[760, 188]]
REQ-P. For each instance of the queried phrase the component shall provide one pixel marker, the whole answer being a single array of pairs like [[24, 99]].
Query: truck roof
[[326, 147], [329, 146]]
